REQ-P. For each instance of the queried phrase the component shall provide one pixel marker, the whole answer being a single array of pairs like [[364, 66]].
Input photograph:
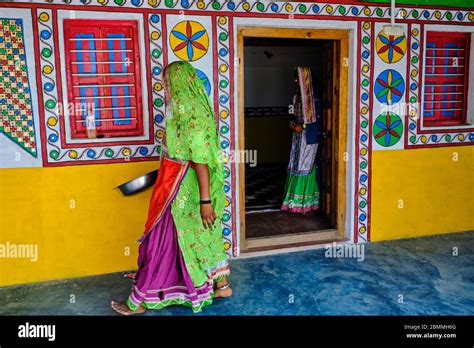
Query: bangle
[[205, 201]]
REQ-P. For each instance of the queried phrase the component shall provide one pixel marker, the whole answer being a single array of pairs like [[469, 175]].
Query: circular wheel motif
[[389, 87], [189, 41], [388, 129], [390, 48]]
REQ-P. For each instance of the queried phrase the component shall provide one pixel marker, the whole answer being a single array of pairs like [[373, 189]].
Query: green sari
[[191, 135], [180, 260]]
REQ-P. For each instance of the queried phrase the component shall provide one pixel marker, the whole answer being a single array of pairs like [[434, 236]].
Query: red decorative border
[[99, 8], [58, 81]]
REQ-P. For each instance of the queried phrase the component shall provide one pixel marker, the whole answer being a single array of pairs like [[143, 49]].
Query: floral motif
[[391, 48], [389, 87], [388, 128], [189, 40]]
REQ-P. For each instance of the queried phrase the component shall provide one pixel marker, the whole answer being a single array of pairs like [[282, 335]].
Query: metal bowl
[[138, 184]]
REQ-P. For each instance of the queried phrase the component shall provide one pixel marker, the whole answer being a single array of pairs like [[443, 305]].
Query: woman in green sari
[[181, 256]]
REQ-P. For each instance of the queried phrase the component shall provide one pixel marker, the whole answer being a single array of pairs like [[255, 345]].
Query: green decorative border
[[448, 3]]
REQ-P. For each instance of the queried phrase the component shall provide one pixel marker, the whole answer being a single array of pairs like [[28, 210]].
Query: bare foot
[[123, 309], [223, 293]]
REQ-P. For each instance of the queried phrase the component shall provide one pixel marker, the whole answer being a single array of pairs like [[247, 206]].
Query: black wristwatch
[[205, 201]]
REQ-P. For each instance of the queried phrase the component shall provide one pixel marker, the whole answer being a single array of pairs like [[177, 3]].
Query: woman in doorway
[[302, 189], [181, 255]]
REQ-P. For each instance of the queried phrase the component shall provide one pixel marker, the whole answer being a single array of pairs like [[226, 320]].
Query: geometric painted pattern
[[363, 136], [389, 87], [390, 48], [333, 9], [156, 55], [343, 9], [189, 40], [223, 66], [16, 115], [388, 129], [59, 150], [50, 105]]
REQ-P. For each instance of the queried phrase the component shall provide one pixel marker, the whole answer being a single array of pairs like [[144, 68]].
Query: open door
[[333, 86], [329, 140]]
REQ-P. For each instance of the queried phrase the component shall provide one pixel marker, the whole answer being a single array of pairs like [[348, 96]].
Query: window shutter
[[103, 71], [446, 76]]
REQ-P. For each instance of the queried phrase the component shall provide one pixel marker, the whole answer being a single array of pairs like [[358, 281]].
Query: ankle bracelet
[[223, 287]]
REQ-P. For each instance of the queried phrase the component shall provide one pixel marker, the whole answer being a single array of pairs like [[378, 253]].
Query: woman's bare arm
[[207, 212], [202, 172]]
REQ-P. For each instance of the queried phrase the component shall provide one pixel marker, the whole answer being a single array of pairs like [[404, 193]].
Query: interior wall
[[270, 136], [269, 81]]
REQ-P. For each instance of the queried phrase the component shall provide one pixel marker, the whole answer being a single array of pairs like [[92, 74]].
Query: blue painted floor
[[422, 271]]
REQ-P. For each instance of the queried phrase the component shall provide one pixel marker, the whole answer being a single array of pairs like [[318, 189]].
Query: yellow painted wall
[[437, 192], [89, 239]]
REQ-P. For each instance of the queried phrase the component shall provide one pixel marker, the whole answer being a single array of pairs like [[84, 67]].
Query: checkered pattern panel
[[15, 98]]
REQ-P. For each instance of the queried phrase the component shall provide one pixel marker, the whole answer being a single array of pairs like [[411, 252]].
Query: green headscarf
[[191, 132]]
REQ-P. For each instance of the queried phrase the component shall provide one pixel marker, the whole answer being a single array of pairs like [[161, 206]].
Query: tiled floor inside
[[264, 186], [422, 271], [264, 190]]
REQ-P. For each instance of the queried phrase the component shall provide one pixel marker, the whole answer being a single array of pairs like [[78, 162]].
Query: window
[[446, 78], [103, 75]]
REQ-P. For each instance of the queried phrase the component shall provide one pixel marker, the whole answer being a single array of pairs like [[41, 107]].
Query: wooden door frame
[[341, 36]]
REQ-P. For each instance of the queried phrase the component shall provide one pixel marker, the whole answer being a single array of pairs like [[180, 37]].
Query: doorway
[[267, 57]]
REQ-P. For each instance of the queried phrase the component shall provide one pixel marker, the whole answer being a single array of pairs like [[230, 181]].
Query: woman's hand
[[296, 127], [208, 215]]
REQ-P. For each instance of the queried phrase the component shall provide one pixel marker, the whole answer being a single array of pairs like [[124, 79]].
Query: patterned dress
[[301, 188]]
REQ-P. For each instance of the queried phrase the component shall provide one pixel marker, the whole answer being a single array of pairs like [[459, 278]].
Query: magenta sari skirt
[[162, 278]]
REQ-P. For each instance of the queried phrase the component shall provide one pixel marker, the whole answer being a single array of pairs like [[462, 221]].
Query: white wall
[[270, 82]]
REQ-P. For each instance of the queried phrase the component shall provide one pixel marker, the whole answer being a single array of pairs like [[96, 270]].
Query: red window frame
[[446, 78], [103, 72]]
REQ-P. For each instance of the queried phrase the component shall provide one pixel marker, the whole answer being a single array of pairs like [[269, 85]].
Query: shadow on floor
[[422, 271]]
